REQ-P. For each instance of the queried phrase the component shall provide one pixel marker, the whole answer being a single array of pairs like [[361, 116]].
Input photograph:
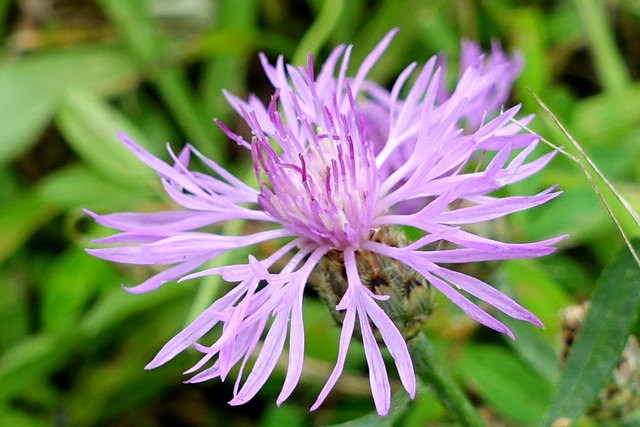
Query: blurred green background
[[73, 344]]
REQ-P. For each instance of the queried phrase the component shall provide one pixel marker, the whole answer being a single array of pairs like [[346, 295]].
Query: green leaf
[[76, 186], [608, 61], [14, 417], [228, 69], [601, 340], [171, 81], [507, 385], [72, 281], [89, 125], [14, 304], [20, 219], [387, 15], [577, 213], [531, 348], [31, 87], [526, 30], [424, 410], [136, 25], [117, 306], [323, 346], [604, 118], [535, 289], [289, 415], [30, 360], [121, 385], [318, 33], [67, 188]]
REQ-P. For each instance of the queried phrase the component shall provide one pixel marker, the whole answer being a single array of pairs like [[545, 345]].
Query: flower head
[[342, 166]]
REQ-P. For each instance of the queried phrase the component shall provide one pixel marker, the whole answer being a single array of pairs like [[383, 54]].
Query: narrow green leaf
[[31, 87], [20, 219], [424, 411], [319, 31], [289, 415], [602, 338], [89, 125], [136, 25], [526, 31], [77, 187], [608, 61], [30, 360], [535, 289], [531, 348], [228, 70], [117, 305], [14, 417], [122, 386], [71, 187], [14, 305], [179, 96], [72, 281], [603, 119], [149, 46], [389, 14], [577, 213], [506, 385], [562, 24]]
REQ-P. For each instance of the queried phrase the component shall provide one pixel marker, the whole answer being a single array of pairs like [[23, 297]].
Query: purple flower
[[339, 161], [489, 98]]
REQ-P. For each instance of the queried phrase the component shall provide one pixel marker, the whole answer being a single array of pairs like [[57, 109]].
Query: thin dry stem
[[586, 158], [587, 174]]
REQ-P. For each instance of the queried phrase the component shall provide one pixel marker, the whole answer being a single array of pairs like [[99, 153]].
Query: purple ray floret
[[336, 159]]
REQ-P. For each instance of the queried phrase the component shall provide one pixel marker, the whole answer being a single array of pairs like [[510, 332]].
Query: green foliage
[[32, 88], [603, 336], [498, 377], [73, 344]]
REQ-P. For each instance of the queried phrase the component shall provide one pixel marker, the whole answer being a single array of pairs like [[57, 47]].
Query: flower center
[[325, 191]]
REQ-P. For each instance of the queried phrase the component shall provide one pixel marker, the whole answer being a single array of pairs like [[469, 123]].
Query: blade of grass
[[88, 123], [170, 81], [20, 219], [608, 62], [32, 86], [496, 375], [319, 31], [603, 335], [228, 70], [176, 92]]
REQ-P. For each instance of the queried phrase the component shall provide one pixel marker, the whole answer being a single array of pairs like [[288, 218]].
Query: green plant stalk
[[433, 374], [608, 62], [319, 31]]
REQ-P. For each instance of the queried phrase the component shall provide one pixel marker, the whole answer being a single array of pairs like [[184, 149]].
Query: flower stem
[[433, 374]]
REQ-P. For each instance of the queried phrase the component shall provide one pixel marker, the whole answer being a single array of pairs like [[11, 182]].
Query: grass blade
[[601, 340]]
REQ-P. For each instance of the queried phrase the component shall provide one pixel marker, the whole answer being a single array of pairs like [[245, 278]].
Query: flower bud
[[409, 294]]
